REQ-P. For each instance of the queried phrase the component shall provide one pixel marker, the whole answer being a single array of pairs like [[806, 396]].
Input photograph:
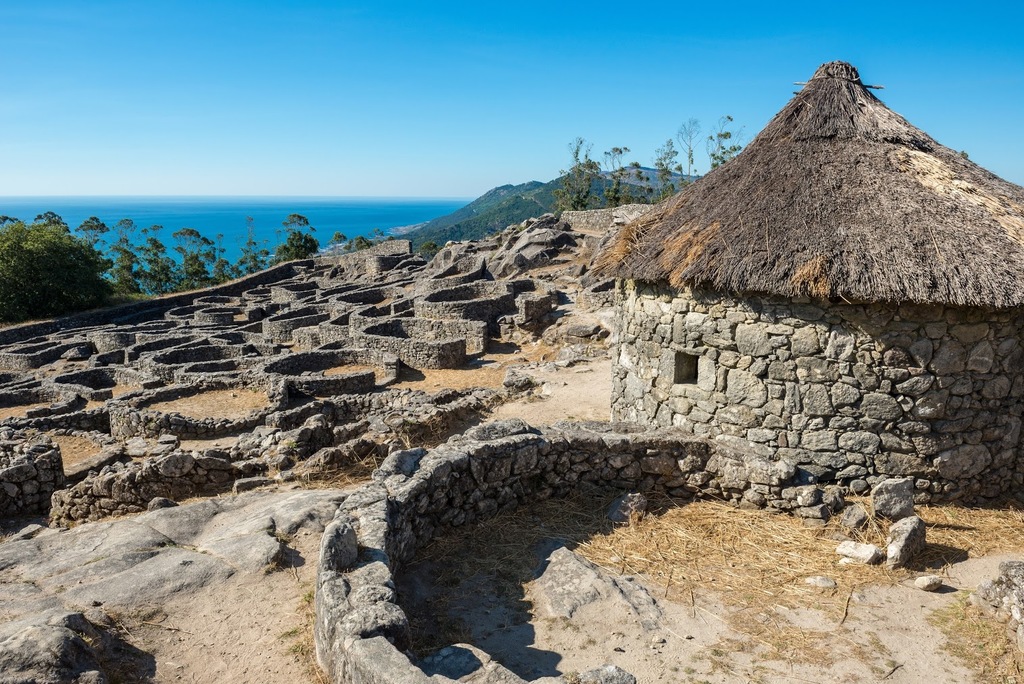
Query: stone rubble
[[906, 540], [1004, 598]]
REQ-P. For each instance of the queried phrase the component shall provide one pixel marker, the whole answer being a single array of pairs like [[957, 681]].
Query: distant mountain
[[501, 207], [491, 212]]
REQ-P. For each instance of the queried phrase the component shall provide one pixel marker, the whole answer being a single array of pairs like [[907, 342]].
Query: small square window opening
[[685, 368]]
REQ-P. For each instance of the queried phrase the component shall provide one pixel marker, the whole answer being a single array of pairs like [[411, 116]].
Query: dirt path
[[579, 392], [252, 628]]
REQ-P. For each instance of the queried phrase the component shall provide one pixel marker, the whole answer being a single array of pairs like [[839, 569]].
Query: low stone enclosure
[[754, 406], [338, 326], [315, 435], [362, 634], [849, 393]]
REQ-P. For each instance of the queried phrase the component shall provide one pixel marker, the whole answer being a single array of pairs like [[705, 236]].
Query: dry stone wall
[[1004, 597], [135, 418], [604, 220], [123, 488], [848, 393], [361, 632], [31, 469], [287, 437]]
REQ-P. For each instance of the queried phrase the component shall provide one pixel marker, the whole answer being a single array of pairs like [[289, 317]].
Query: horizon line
[[144, 196]]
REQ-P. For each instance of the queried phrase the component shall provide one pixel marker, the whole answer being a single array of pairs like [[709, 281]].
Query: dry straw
[[724, 564], [756, 556], [837, 197]]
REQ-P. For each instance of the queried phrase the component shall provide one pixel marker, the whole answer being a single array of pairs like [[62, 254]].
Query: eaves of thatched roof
[[838, 197]]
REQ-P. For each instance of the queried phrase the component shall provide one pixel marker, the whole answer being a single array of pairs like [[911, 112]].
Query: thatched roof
[[837, 197]]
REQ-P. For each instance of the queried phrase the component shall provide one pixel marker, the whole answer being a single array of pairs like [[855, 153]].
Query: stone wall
[[140, 311], [279, 328], [88, 420], [418, 342], [309, 431], [479, 301], [31, 469], [362, 634], [306, 371], [124, 488], [1004, 598], [135, 418], [31, 356], [603, 220], [848, 393]]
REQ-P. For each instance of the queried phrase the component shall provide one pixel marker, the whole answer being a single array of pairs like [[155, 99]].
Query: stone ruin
[[850, 393], [322, 342]]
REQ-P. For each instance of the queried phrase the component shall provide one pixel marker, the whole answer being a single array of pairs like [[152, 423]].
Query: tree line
[[612, 182], [47, 270]]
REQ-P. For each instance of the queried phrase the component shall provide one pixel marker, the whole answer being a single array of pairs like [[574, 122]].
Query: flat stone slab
[[107, 456], [570, 582], [59, 584]]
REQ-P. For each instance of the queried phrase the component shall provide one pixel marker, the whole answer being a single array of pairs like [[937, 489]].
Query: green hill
[[489, 213], [503, 206]]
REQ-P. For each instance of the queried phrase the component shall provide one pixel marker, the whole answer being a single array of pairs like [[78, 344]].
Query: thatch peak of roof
[[837, 197], [836, 104]]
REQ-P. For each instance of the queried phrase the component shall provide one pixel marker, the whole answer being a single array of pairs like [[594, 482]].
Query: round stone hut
[[845, 295]]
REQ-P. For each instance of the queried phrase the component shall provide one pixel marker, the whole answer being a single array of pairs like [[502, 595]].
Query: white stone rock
[[821, 582], [868, 554]]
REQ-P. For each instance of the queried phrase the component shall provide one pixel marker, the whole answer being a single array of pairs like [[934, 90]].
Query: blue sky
[[448, 99]]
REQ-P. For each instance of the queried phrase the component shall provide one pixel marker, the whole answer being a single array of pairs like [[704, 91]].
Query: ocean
[[213, 216]]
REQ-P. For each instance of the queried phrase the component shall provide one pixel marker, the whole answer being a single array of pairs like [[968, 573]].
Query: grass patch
[[981, 642], [299, 639]]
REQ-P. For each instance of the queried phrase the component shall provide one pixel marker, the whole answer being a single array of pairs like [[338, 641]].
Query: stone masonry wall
[[601, 220], [1003, 596], [362, 634], [407, 339], [134, 418], [124, 488], [849, 393], [30, 470]]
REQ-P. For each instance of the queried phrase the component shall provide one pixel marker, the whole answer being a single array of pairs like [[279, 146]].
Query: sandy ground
[[250, 629], [75, 449], [225, 443], [225, 403], [20, 410], [485, 370], [886, 636], [580, 392], [887, 632]]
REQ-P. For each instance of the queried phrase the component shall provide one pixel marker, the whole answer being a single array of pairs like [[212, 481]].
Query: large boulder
[[893, 498], [906, 540]]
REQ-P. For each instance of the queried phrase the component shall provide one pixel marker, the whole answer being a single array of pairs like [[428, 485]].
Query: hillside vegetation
[[489, 213], [587, 184], [505, 205]]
